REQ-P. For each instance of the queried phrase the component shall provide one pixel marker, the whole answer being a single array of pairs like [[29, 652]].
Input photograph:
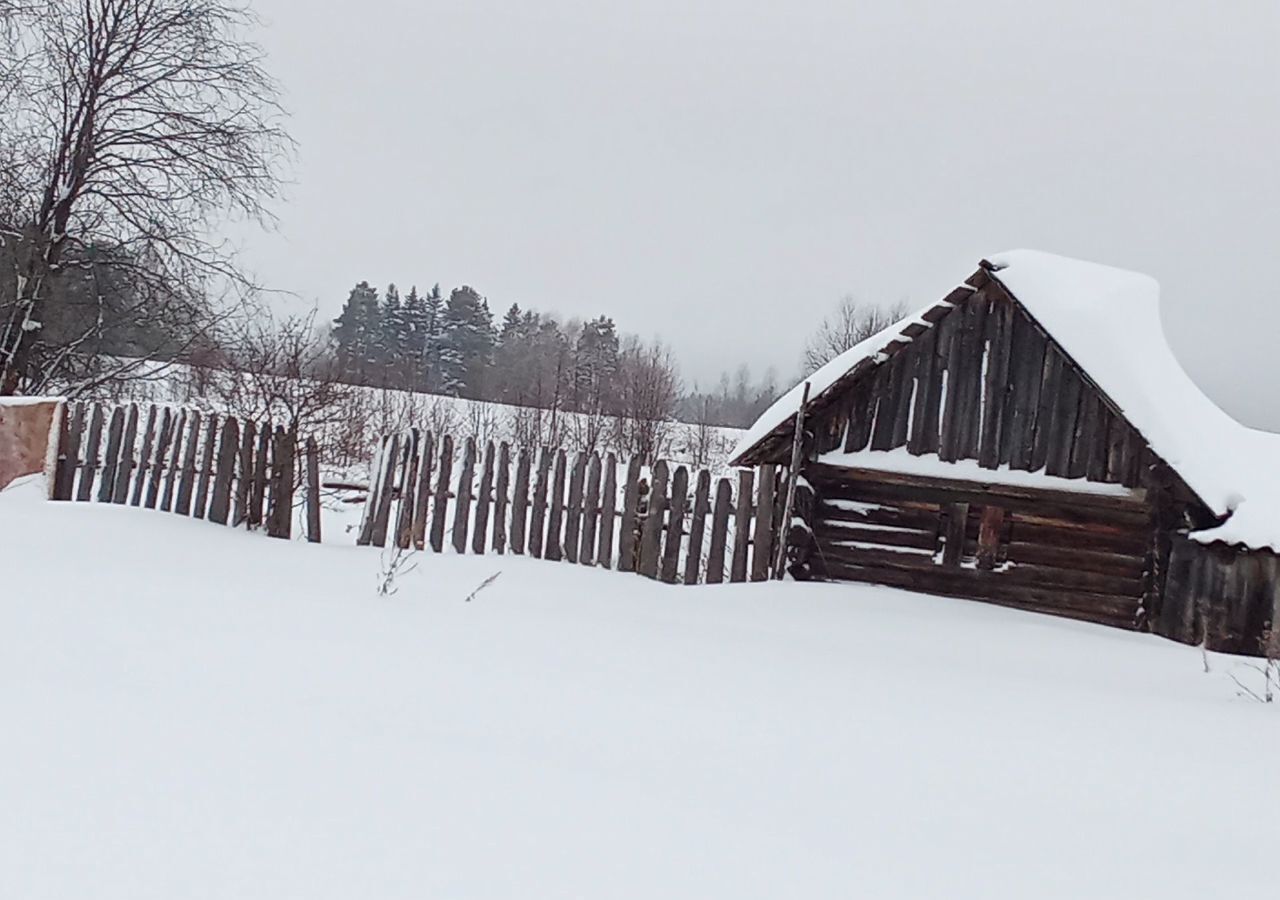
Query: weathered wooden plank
[[1071, 556], [173, 432], [283, 451], [520, 502], [538, 515], [885, 385], [84, 490], [608, 500], [144, 458], [408, 492], [590, 512], [698, 527], [742, 526], [554, 548], [922, 439], [1050, 385], [72, 428], [261, 466], [111, 458], [654, 521], [313, 491], [996, 385], [1062, 432], [951, 357], [501, 501], [125, 463], [675, 525], [862, 409], [627, 537], [957, 520], [184, 460], [990, 524], [205, 472], [762, 540], [422, 496], [976, 313], [480, 537], [392, 475], [377, 472], [462, 511], [1085, 431], [573, 508], [244, 476], [220, 500], [850, 533], [1031, 353], [440, 505], [719, 532]]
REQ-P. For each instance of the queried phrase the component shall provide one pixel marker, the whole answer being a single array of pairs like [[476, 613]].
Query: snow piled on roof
[[820, 381], [1108, 320]]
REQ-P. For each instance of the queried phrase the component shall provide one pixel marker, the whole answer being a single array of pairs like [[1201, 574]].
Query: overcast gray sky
[[720, 173]]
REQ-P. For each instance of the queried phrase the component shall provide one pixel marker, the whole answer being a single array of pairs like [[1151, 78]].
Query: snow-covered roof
[[1108, 321]]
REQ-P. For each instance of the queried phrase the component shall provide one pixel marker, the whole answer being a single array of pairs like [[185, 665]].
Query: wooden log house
[[1030, 440]]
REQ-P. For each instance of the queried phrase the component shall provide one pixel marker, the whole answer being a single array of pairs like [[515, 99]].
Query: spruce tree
[[355, 332], [468, 326]]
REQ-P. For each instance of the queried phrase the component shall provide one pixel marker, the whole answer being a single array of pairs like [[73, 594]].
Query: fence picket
[[675, 524], [573, 508], [520, 502], [162, 469], [462, 509], [172, 457], [630, 512], [244, 477], [409, 492], [84, 490], [380, 514], [220, 502], [538, 515], [124, 468], [483, 499], [183, 503], [742, 526], [697, 528], [69, 457], [719, 532], [144, 461], [258, 485], [422, 503], [554, 549], [762, 541], [110, 461], [313, 491], [280, 515], [500, 500], [206, 468], [441, 504], [608, 502], [590, 512], [651, 529]]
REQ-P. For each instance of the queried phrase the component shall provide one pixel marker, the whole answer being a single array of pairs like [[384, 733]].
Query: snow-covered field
[[192, 711]]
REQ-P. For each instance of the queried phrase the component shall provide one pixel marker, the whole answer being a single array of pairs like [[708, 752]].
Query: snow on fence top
[[1108, 321]]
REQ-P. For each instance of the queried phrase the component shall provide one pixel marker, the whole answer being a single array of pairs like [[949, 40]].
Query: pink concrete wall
[[29, 430]]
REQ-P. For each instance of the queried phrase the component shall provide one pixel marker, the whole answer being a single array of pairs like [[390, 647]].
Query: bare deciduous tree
[[851, 323], [131, 128], [648, 389]]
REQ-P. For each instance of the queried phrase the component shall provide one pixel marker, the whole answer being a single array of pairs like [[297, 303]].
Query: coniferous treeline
[[425, 341]]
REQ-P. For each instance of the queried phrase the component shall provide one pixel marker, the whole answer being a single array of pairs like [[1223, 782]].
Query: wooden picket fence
[[664, 523], [220, 468]]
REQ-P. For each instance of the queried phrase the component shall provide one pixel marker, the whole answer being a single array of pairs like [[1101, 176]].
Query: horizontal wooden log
[[824, 476], [1125, 566], [834, 535]]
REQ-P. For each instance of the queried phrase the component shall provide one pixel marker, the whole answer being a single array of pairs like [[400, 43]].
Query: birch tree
[[132, 130]]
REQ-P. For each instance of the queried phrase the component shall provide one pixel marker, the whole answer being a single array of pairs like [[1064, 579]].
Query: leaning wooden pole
[[793, 471]]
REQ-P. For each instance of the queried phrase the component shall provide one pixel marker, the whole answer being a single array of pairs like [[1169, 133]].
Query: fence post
[[313, 491]]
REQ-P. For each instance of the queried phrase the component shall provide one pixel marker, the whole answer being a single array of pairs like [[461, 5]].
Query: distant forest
[[425, 341]]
